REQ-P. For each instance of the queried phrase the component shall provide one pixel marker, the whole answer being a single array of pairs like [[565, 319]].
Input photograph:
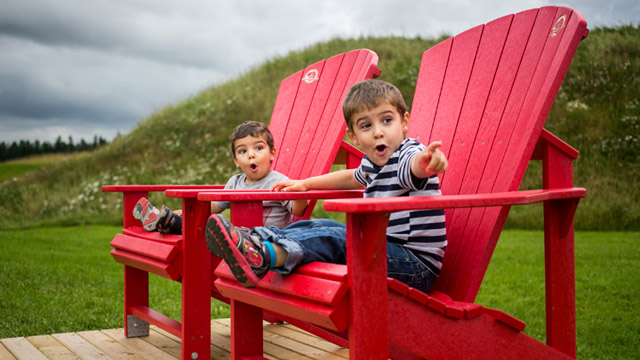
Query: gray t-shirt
[[275, 213]]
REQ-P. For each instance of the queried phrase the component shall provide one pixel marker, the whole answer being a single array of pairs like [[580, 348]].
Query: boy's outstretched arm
[[337, 180], [429, 161]]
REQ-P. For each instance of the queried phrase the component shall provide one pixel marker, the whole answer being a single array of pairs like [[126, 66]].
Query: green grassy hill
[[596, 111]]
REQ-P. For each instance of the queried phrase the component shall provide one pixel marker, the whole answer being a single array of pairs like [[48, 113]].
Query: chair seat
[[315, 293], [149, 251]]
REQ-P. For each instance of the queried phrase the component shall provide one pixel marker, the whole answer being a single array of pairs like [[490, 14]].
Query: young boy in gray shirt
[[253, 151]]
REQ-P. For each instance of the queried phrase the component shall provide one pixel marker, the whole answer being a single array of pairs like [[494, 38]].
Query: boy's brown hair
[[367, 94], [250, 128]]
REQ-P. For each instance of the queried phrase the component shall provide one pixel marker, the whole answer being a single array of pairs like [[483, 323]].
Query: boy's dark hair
[[367, 94], [250, 128]]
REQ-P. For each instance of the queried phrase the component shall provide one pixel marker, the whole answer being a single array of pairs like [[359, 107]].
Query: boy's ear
[[273, 154], [352, 137], [405, 122]]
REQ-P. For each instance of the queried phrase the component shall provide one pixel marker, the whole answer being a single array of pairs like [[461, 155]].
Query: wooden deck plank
[[81, 347], [304, 337], [108, 345], [164, 343], [145, 349], [280, 342], [21, 348], [51, 348], [5, 353]]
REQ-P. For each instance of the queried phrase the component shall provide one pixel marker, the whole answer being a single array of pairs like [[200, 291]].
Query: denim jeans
[[325, 240]]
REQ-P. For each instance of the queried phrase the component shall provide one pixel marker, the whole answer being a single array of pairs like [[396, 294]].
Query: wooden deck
[[280, 342]]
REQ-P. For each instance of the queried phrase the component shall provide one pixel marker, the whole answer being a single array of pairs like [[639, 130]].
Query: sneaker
[[147, 214], [166, 220], [245, 253]]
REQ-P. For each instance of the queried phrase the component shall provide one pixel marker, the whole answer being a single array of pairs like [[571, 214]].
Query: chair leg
[[196, 282], [367, 269], [136, 293], [560, 280], [246, 330]]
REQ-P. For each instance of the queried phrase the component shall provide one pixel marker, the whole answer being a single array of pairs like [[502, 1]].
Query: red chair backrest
[[486, 94], [307, 121]]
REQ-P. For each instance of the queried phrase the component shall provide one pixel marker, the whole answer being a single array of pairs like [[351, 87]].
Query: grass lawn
[[13, 170], [18, 167], [63, 279]]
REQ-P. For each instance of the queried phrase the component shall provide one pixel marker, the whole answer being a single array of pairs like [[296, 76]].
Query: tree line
[[24, 148]]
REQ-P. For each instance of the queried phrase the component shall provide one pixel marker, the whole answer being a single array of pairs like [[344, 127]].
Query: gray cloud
[[82, 68]]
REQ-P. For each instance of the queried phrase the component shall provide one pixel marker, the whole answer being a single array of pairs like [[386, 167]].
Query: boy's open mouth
[[253, 166], [381, 148]]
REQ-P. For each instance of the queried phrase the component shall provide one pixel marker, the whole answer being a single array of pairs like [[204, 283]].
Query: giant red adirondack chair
[[308, 130], [485, 94]]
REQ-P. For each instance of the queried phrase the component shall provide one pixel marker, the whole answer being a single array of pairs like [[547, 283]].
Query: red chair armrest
[[263, 195], [451, 201], [139, 188]]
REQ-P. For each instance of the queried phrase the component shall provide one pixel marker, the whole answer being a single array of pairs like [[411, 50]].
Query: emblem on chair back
[[558, 25], [311, 76]]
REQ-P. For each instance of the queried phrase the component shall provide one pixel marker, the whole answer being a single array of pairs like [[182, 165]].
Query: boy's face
[[379, 131], [253, 157]]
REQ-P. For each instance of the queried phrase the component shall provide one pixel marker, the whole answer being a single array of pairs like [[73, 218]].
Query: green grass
[[14, 170], [62, 279], [607, 289]]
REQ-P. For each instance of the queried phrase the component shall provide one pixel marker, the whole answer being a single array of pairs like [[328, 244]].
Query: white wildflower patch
[[576, 105]]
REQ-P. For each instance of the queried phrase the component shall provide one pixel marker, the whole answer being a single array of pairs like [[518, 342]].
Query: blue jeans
[[325, 240]]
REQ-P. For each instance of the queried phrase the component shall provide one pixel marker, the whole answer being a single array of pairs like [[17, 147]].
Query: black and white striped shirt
[[422, 231]]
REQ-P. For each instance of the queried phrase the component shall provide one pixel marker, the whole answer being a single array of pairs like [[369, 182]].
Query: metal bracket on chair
[[136, 327]]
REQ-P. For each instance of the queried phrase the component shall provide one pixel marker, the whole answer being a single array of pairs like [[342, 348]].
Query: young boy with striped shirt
[[377, 121]]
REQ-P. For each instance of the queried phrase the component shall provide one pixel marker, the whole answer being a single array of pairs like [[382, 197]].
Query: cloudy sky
[[97, 67]]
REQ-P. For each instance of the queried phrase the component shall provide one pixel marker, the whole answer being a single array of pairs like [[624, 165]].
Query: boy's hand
[[431, 160], [289, 185]]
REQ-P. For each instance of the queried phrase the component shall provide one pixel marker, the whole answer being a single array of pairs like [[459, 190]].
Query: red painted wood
[[367, 271], [136, 291], [141, 233], [326, 316], [147, 188], [288, 159], [438, 336], [330, 138], [559, 254], [246, 330], [283, 106], [547, 138], [428, 87], [298, 285], [164, 322], [129, 200], [454, 87], [160, 268], [488, 139], [524, 197], [145, 248], [264, 195], [496, 123], [196, 279]]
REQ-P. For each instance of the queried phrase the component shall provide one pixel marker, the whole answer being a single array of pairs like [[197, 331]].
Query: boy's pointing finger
[[434, 146]]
